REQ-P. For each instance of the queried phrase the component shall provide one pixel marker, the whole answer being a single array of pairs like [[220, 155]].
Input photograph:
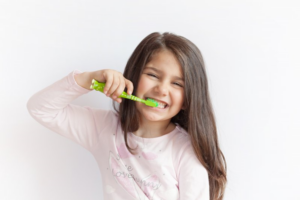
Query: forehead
[[165, 61]]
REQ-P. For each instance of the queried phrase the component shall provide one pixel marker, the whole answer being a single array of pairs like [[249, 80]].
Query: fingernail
[[114, 96], [105, 92]]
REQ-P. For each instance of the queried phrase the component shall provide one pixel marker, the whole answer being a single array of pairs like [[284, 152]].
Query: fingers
[[129, 86], [118, 91], [112, 85], [112, 81], [115, 84]]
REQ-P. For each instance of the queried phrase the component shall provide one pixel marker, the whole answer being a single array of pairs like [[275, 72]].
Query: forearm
[[55, 97]]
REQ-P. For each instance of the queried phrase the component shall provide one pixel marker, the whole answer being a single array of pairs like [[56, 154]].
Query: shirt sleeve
[[192, 176], [51, 107]]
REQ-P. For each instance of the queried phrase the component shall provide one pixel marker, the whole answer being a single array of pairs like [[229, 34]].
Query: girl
[[168, 152]]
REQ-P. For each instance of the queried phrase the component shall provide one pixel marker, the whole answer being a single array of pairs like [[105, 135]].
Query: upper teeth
[[160, 104]]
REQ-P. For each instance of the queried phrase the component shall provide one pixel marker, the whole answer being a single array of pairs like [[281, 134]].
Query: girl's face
[[161, 80]]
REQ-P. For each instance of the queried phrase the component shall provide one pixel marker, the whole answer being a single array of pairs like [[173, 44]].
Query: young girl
[[169, 152]]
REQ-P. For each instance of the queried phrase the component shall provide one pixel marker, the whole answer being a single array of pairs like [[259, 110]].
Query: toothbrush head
[[151, 102]]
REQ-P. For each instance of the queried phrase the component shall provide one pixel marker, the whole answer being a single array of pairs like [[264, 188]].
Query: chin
[[151, 118]]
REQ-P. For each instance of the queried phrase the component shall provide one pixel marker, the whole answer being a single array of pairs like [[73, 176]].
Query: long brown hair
[[197, 118]]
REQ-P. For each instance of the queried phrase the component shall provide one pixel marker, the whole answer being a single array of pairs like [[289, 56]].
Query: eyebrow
[[159, 71]]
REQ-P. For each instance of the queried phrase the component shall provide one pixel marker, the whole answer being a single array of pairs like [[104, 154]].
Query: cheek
[[143, 85], [178, 97]]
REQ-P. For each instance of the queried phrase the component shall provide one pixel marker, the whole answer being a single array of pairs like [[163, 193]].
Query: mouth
[[161, 104]]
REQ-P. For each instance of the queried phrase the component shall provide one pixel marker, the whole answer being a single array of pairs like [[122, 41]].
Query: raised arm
[[51, 106]]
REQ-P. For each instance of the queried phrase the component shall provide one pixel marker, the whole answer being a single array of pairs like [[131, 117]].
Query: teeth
[[160, 104]]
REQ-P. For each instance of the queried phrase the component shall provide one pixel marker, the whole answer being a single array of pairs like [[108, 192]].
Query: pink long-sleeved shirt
[[164, 168]]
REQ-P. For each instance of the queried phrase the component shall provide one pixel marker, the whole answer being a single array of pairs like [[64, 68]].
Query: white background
[[251, 50]]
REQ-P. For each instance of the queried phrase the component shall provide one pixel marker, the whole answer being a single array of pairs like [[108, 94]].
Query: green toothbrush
[[100, 86]]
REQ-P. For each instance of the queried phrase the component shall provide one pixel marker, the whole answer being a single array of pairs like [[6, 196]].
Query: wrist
[[84, 79]]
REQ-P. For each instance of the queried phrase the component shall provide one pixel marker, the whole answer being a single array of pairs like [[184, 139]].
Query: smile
[[161, 104]]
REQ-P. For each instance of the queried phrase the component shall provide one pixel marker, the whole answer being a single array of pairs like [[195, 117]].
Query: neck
[[154, 129]]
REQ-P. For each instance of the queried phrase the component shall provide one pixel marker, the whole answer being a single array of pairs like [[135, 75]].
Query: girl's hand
[[115, 83]]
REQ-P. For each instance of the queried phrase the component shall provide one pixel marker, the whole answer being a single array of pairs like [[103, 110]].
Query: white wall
[[251, 51]]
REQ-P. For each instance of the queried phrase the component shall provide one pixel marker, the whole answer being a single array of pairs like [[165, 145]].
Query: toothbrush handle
[[100, 87]]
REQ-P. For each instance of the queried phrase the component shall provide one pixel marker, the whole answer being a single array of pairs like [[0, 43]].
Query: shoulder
[[184, 156], [181, 136], [192, 176], [181, 142]]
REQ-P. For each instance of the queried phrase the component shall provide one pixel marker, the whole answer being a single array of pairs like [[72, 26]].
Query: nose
[[162, 88]]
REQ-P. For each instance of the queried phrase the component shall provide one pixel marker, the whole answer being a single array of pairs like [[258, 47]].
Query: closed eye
[[178, 84], [153, 75]]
